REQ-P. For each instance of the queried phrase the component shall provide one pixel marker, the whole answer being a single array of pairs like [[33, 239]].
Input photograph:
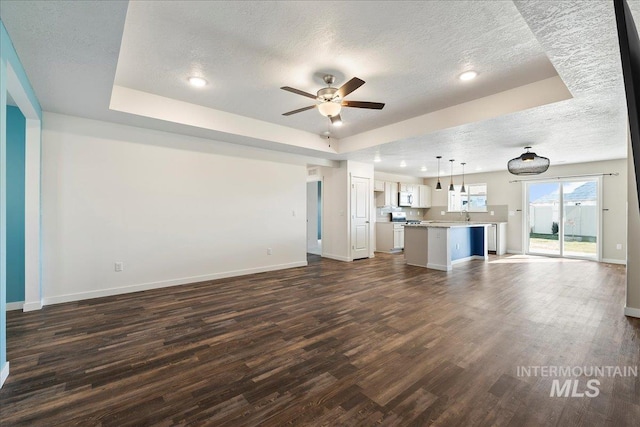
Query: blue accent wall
[[477, 241], [16, 123]]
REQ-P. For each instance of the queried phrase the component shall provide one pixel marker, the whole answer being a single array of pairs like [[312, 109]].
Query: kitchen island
[[440, 245]]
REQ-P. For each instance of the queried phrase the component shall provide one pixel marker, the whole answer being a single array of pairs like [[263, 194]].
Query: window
[[474, 200]]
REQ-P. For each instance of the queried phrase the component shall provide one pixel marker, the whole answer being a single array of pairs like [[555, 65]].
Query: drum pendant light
[[438, 185], [528, 164], [451, 187]]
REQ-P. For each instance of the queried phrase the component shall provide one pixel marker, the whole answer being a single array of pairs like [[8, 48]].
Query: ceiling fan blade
[[363, 104], [299, 110], [349, 87], [299, 92]]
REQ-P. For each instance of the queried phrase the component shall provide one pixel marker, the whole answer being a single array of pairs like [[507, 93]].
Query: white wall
[[335, 211], [170, 207], [633, 255], [501, 192]]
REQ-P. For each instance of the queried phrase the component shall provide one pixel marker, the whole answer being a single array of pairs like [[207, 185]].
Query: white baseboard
[[614, 261], [15, 305], [32, 306], [441, 267], [512, 252], [165, 283], [336, 257], [4, 374], [632, 312]]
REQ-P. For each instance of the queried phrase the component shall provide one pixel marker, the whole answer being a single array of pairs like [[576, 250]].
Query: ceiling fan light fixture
[[197, 81], [528, 163], [329, 109], [336, 120]]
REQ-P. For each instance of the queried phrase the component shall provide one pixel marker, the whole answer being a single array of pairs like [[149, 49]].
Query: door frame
[[317, 177], [561, 233]]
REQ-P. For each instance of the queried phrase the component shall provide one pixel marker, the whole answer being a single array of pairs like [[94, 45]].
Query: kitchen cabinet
[[403, 186], [389, 195], [398, 237], [378, 185], [425, 196], [389, 236], [422, 196]]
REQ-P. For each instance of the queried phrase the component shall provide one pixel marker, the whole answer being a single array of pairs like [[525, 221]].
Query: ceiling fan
[[331, 99]]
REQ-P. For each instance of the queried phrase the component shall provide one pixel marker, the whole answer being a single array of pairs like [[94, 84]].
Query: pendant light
[[528, 164], [451, 187], [463, 190], [438, 185]]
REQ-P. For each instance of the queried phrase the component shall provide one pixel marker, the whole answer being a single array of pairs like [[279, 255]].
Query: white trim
[[512, 252], [32, 306], [441, 267], [4, 374], [32, 231], [336, 257], [614, 261], [166, 283], [632, 312], [15, 305]]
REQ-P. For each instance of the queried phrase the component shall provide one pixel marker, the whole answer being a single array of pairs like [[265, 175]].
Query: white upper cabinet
[[424, 198], [388, 196]]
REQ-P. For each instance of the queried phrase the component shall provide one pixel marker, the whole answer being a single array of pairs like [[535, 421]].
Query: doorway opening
[[314, 217], [563, 218]]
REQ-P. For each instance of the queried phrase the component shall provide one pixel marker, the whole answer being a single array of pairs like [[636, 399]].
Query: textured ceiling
[[409, 53]]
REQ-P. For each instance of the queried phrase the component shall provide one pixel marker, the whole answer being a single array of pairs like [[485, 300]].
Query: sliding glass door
[[563, 218]]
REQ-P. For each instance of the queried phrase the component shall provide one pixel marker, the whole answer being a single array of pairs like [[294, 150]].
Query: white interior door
[[360, 214]]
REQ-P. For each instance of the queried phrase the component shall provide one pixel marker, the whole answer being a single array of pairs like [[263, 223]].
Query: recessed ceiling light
[[197, 81], [403, 164], [377, 158], [423, 169], [468, 75], [478, 168]]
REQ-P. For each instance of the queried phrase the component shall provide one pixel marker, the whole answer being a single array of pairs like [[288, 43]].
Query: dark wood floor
[[372, 342]]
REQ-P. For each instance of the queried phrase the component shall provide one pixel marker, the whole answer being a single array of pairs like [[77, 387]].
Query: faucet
[[467, 217]]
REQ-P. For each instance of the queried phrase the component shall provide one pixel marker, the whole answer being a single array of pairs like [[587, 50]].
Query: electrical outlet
[[492, 213], [119, 266], [442, 212], [619, 246], [293, 213], [269, 251]]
